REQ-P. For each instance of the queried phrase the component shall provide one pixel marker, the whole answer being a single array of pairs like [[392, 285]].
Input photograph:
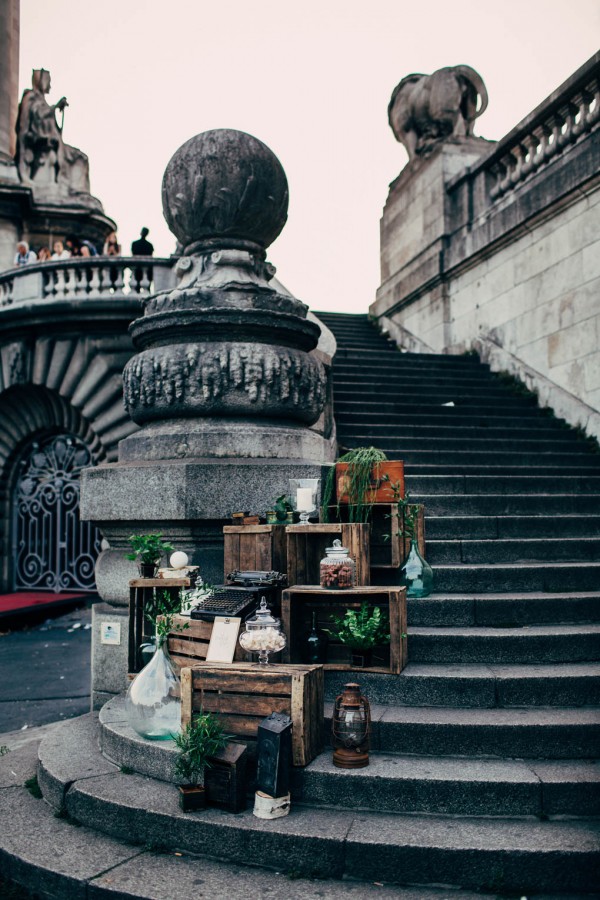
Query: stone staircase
[[482, 776]]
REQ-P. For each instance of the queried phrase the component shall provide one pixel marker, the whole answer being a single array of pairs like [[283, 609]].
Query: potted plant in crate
[[362, 632], [282, 512], [147, 551], [361, 478], [197, 742]]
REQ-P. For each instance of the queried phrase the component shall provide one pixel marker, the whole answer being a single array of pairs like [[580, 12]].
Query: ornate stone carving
[[16, 361], [427, 109], [233, 379], [56, 170], [224, 184]]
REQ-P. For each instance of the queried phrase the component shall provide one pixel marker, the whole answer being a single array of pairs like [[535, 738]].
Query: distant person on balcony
[[44, 254], [111, 245], [24, 255], [73, 245], [59, 251], [142, 247], [85, 251], [91, 248]]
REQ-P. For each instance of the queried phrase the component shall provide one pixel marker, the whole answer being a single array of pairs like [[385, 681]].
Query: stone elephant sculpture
[[427, 109]]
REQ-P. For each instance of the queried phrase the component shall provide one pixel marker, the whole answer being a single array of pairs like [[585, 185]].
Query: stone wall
[[504, 256]]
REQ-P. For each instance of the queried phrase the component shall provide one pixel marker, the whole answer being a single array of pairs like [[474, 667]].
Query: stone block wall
[[504, 255]]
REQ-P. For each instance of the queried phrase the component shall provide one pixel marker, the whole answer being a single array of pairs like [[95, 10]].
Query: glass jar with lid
[[337, 569], [263, 634]]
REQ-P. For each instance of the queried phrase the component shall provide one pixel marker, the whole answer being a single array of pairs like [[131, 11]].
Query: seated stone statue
[[426, 110], [43, 159]]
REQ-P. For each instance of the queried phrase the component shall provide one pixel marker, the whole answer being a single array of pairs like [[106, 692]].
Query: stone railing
[[94, 278], [565, 117]]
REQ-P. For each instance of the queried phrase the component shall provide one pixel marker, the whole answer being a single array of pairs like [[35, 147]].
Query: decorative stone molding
[[224, 378]]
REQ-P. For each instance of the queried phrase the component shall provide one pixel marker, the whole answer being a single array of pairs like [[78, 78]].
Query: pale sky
[[311, 79]]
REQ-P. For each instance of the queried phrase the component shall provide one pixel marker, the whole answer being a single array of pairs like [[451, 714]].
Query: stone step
[[586, 467], [457, 460], [499, 550], [475, 685], [505, 610], [48, 856], [524, 853], [350, 380], [477, 441], [500, 484], [527, 644], [506, 504], [448, 417], [505, 578], [544, 733], [479, 395], [420, 361], [408, 403], [493, 527], [454, 786], [455, 436]]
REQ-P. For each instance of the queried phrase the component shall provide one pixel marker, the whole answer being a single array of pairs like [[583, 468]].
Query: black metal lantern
[[274, 755], [351, 728]]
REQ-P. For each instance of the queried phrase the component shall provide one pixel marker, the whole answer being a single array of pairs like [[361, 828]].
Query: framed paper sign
[[223, 639]]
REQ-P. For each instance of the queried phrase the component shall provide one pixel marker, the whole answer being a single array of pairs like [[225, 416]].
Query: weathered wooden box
[[141, 593], [188, 647], [254, 548], [306, 548], [299, 603], [242, 694]]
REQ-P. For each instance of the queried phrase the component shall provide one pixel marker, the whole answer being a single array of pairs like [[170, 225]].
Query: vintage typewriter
[[241, 594]]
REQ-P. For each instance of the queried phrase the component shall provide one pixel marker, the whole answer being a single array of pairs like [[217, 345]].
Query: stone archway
[[33, 418]]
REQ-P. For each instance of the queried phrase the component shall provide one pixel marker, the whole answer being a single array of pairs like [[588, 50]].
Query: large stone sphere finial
[[224, 185]]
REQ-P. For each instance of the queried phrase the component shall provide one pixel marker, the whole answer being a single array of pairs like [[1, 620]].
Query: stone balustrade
[[95, 278], [560, 121]]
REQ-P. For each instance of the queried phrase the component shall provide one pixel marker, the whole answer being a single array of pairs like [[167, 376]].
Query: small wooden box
[[299, 603], [242, 694], [141, 593], [306, 548], [225, 778], [189, 646], [254, 548]]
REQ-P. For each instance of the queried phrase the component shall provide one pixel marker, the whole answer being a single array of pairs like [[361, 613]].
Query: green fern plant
[[200, 739], [362, 630]]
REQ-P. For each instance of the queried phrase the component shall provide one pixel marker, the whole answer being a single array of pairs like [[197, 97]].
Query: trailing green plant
[[161, 611], [148, 548], [4, 749], [362, 630], [406, 514], [281, 508], [361, 461], [197, 742]]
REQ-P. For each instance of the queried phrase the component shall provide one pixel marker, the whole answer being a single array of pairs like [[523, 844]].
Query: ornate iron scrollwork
[[54, 549]]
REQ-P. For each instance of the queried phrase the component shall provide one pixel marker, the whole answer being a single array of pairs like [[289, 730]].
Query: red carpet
[[25, 601]]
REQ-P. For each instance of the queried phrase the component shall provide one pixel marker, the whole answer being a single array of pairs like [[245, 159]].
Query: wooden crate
[[255, 548], [306, 548], [386, 478], [189, 646], [387, 549], [299, 603], [242, 694], [141, 592]]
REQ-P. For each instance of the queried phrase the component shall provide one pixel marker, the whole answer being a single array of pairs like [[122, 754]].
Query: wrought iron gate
[[53, 549]]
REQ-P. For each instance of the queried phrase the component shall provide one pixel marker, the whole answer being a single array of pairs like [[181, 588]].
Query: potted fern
[[201, 738], [147, 550], [362, 631], [361, 478]]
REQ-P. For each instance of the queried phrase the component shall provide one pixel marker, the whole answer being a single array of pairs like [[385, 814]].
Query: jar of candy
[[263, 634], [338, 569]]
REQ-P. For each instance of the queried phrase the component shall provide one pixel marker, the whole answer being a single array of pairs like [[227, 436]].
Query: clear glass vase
[[417, 574], [153, 702]]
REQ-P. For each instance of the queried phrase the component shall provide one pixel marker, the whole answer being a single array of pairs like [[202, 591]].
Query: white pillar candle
[[304, 500]]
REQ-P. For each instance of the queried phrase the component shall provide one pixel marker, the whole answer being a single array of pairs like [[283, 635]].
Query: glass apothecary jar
[[337, 568], [263, 634]]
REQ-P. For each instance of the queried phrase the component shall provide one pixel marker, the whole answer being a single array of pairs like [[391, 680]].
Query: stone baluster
[[118, 275], [59, 288], [71, 283], [94, 285], [145, 282]]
